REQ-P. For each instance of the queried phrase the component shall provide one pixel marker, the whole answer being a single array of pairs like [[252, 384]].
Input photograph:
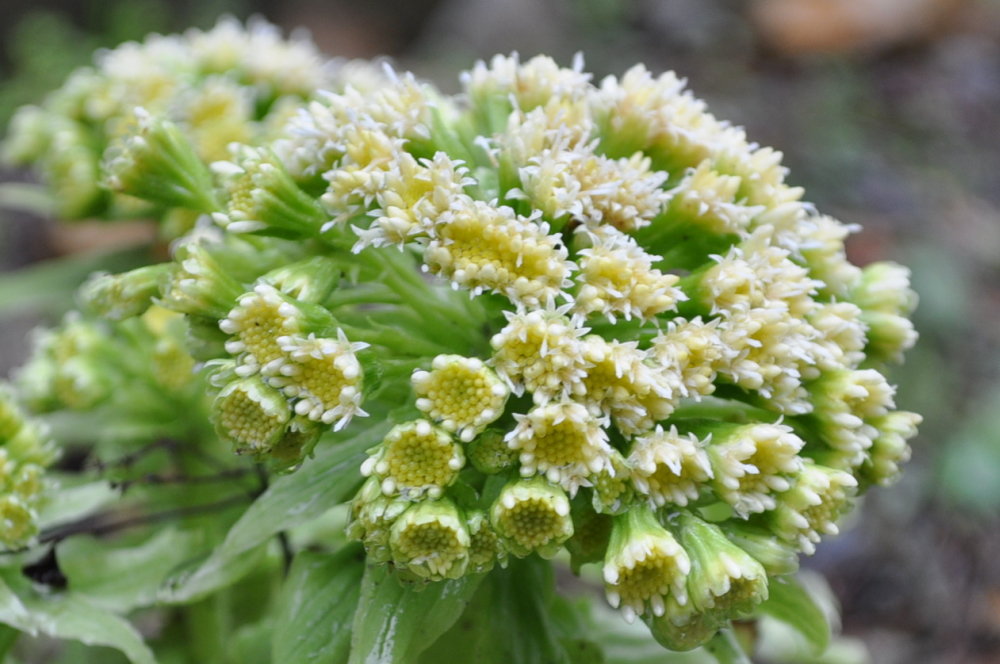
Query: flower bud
[[120, 296], [889, 335], [71, 167], [28, 136], [431, 540], [251, 415], [591, 534], [844, 401], [18, 521], [614, 487], [295, 444], [724, 578], [889, 448], [158, 163], [415, 459], [532, 516], [680, 629], [32, 444], [372, 516], [263, 198], [198, 284], [885, 287], [311, 280], [777, 557], [485, 548], [812, 507], [461, 394], [489, 454], [644, 565]]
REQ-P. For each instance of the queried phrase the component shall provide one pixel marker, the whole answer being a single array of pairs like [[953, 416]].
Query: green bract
[[558, 315]]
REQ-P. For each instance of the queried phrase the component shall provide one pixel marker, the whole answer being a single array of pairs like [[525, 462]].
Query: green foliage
[[68, 616], [315, 611]]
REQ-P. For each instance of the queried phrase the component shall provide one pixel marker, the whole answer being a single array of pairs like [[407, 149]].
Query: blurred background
[[888, 112]]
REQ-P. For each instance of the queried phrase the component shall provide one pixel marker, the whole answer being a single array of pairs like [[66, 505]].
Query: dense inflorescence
[[584, 317], [229, 83]]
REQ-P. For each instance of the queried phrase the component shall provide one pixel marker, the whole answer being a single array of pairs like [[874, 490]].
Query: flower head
[[461, 393], [542, 352], [430, 539], [813, 505], [324, 375], [251, 414], [267, 327], [532, 516], [562, 441], [415, 458], [485, 248], [669, 468], [617, 278], [644, 565], [753, 463], [724, 579]]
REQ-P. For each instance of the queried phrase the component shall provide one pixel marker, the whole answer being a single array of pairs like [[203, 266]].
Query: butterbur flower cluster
[[229, 83], [583, 316]]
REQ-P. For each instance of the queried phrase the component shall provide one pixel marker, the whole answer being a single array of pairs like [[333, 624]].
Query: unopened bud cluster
[[229, 83], [591, 317]]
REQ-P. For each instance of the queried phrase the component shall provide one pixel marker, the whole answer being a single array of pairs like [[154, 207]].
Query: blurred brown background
[[888, 112]]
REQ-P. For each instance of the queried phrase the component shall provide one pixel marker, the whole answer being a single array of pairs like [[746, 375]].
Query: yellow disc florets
[[460, 393], [416, 458]]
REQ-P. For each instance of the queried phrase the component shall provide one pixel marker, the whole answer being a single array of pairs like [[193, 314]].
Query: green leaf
[[321, 483], [316, 607], [68, 504], [789, 602], [394, 623], [68, 616], [508, 621], [199, 579], [123, 578]]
